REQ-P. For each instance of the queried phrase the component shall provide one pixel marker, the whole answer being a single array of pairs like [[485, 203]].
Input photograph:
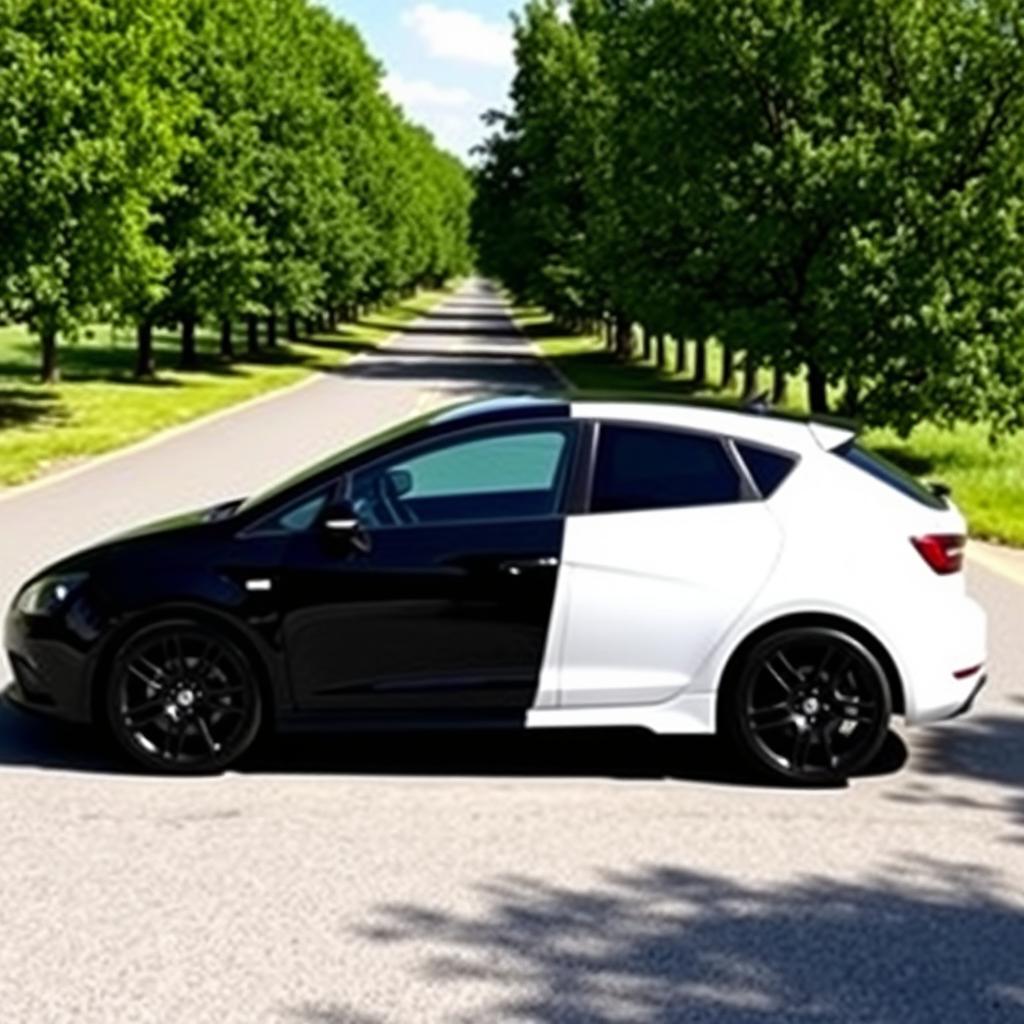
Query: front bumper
[[50, 666]]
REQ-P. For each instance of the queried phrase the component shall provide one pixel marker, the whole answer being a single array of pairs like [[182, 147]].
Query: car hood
[[178, 522], [197, 521]]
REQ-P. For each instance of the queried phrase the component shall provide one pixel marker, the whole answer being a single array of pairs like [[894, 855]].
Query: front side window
[[297, 517], [506, 474], [649, 468]]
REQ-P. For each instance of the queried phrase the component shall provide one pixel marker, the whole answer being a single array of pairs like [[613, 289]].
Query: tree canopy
[[829, 184], [161, 164]]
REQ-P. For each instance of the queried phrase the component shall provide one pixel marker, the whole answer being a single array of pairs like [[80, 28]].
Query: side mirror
[[340, 522], [400, 482]]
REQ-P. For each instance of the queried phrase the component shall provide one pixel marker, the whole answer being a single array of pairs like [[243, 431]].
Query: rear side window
[[647, 468], [889, 473], [768, 468]]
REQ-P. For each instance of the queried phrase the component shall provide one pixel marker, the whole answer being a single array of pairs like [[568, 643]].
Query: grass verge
[[987, 480], [100, 406]]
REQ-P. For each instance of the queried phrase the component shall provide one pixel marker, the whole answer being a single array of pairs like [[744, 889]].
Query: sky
[[446, 62]]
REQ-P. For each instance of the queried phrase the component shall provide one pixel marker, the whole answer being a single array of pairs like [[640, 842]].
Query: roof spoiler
[[830, 432]]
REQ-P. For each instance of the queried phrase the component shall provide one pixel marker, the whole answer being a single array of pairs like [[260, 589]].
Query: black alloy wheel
[[811, 705], [183, 699]]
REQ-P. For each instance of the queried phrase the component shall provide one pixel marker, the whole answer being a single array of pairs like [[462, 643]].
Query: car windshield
[[335, 460]]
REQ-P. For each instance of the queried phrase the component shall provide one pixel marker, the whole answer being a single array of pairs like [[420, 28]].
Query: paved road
[[574, 879]]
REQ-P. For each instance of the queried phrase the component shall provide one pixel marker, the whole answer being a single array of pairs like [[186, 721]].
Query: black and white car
[[529, 563]]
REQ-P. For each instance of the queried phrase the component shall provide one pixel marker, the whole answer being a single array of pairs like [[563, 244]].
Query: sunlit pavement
[[537, 878]]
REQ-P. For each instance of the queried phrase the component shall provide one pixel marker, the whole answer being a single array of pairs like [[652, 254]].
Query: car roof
[[758, 425]]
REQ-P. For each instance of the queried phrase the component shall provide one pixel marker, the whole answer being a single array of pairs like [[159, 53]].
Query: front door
[[446, 605]]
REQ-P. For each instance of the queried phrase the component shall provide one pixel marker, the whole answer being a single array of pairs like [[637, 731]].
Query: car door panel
[[431, 617], [651, 590]]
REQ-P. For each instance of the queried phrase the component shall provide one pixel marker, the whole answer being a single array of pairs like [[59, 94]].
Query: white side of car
[[652, 606]]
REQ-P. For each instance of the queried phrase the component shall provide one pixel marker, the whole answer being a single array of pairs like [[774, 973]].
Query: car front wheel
[[183, 699], [810, 705]]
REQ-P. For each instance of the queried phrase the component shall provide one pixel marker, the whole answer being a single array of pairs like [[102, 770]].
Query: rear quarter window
[[890, 474], [768, 468]]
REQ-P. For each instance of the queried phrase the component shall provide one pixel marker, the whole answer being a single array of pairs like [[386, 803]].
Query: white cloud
[[449, 112], [460, 35], [418, 92]]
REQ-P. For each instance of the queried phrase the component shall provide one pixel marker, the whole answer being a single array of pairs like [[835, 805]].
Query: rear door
[[675, 544]]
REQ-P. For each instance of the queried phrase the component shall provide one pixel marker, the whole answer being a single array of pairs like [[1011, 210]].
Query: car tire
[[808, 705], [183, 698]]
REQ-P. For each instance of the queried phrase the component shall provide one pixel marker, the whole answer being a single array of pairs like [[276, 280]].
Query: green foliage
[[836, 184], [90, 134], [208, 159]]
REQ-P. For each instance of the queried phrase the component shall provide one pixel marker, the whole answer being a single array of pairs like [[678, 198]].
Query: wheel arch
[[793, 620], [211, 617]]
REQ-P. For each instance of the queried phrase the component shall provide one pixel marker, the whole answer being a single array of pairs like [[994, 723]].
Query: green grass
[[99, 406], [987, 480]]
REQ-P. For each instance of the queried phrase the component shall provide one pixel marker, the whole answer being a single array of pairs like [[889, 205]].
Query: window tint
[[296, 517], [641, 467], [889, 473], [767, 468], [506, 474]]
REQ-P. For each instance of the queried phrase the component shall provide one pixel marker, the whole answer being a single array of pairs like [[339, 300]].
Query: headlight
[[51, 593]]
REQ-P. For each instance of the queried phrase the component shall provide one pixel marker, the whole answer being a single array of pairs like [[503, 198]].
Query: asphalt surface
[[558, 878]]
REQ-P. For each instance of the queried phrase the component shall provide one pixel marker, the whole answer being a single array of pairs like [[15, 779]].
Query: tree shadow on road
[[988, 749], [437, 327], [623, 754], [925, 942], [471, 373]]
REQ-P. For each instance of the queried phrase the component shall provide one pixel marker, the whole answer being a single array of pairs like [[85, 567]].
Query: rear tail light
[[944, 552]]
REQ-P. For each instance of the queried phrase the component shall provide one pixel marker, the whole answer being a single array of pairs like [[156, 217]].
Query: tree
[[215, 246], [819, 184], [89, 140]]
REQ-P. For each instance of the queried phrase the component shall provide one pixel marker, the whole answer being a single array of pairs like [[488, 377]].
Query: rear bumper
[[947, 667], [969, 703]]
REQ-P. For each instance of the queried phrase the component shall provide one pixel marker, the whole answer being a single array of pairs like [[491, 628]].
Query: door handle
[[525, 565]]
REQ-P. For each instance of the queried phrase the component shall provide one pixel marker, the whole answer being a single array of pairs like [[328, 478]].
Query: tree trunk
[[227, 345], [645, 344], [700, 365], [851, 397], [728, 367], [680, 365], [817, 394], [659, 350], [623, 338], [49, 371], [188, 343], [272, 330], [252, 334], [332, 318], [293, 327], [749, 376], [145, 364], [779, 386], [609, 332]]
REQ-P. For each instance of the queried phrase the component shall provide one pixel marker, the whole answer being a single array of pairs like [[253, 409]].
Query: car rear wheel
[[810, 705], [183, 699]]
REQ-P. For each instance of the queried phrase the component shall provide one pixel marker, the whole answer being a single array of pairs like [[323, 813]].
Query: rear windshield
[[889, 473]]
